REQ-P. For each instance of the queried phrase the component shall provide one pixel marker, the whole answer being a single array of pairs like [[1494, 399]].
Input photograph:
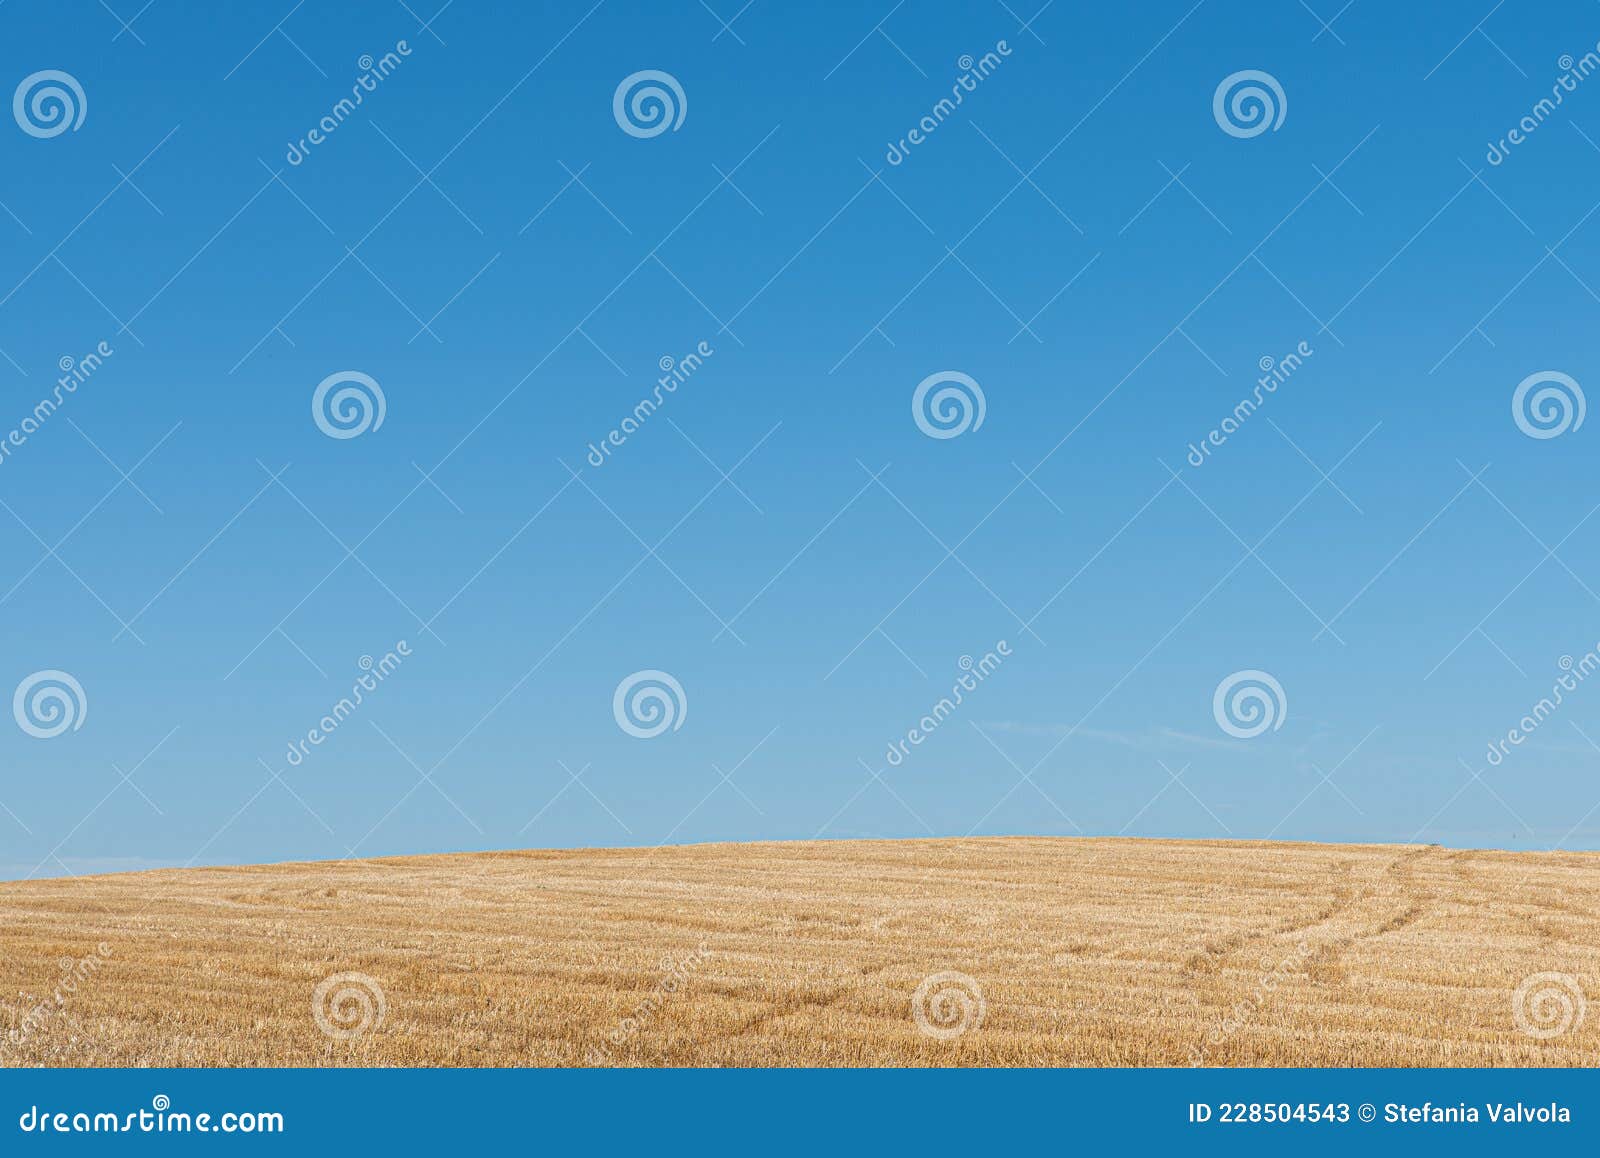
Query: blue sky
[[1080, 236]]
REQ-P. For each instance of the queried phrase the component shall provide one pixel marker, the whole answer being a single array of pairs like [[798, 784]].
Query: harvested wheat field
[[1006, 951]]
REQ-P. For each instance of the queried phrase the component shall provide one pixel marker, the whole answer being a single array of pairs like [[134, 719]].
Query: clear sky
[[508, 249]]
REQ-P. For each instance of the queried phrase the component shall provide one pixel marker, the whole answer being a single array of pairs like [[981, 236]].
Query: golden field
[[1003, 951]]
